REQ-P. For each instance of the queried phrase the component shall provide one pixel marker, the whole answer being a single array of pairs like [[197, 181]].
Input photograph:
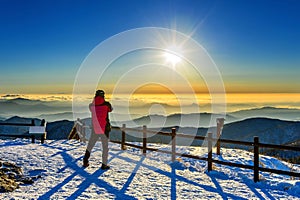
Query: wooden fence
[[210, 140], [80, 129]]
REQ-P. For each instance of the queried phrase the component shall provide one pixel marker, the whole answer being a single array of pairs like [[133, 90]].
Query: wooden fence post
[[209, 155], [220, 123], [173, 144], [32, 139], [43, 137], [83, 130], [144, 140], [78, 129], [123, 137], [256, 159], [43, 122]]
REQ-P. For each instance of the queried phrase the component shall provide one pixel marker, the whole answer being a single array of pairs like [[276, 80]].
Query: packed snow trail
[[134, 176]]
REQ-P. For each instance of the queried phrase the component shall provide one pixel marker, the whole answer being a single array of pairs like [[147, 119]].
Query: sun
[[172, 58]]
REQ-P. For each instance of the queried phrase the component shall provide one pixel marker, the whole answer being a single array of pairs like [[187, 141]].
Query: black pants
[[104, 139]]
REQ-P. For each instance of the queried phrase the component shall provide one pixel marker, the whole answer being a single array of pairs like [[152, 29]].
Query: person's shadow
[[89, 179]]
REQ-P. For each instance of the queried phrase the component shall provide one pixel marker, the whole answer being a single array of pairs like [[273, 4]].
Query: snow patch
[[134, 176]]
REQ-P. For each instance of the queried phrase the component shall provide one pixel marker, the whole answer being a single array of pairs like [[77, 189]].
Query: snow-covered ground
[[134, 176]]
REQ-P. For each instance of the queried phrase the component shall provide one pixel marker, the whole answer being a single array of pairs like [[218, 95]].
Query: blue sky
[[255, 44]]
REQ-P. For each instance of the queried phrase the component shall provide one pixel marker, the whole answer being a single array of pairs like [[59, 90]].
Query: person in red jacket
[[100, 127]]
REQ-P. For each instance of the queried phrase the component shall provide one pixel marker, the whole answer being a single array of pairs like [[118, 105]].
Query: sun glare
[[172, 58]]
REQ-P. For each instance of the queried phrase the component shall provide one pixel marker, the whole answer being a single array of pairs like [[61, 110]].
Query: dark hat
[[100, 93]]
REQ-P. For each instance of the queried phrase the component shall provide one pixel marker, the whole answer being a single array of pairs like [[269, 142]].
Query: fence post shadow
[[133, 173], [173, 183]]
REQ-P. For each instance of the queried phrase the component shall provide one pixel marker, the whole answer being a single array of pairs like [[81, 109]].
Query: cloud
[[10, 96]]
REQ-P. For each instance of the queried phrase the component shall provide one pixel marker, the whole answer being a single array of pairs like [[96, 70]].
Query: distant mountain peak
[[275, 108], [20, 99], [269, 107], [16, 118], [24, 101]]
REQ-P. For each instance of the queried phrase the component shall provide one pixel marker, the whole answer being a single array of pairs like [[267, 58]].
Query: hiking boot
[[85, 163], [86, 158], [104, 166]]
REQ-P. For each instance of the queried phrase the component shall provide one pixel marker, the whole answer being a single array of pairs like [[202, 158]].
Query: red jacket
[[100, 108]]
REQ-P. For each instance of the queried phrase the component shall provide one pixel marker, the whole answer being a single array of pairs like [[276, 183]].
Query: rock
[[7, 184], [11, 176], [12, 167]]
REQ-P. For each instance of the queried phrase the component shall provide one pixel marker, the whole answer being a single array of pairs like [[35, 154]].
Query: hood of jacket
[[98, 100]]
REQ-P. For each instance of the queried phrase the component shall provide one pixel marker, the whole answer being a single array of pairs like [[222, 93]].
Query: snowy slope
[[133, 176]]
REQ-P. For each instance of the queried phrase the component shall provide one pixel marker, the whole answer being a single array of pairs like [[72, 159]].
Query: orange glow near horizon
[[235, 101]]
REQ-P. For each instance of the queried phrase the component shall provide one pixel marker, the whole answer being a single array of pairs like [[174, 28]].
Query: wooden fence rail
[[255, 144]]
